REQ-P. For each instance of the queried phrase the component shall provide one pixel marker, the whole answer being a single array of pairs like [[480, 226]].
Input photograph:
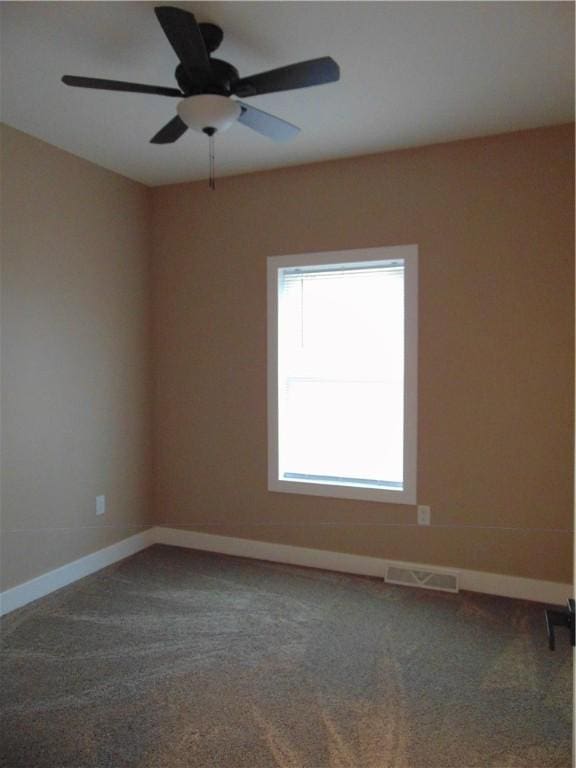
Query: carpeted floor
[[181, 659]]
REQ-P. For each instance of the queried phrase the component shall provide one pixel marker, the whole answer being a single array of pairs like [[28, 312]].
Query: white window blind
[[341, 374]]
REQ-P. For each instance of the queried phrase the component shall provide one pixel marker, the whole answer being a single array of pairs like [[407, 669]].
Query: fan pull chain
[[212, 182]]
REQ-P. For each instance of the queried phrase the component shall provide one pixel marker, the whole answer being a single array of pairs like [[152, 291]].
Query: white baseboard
[[42, 585], [473, 581], [264, 550]]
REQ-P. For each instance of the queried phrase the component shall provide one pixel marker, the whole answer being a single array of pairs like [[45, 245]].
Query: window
[[342, 373]]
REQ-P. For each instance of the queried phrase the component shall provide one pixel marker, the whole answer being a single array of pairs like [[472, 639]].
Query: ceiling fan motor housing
[[220, 81], [208, 112]]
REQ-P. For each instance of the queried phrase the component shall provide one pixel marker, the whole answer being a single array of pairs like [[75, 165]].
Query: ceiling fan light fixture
[[209, 111]]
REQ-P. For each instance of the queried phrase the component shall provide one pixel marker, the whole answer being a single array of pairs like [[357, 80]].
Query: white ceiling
[[412, 73]]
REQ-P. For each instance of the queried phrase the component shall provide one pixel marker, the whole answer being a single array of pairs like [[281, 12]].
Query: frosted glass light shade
[[208, 111]]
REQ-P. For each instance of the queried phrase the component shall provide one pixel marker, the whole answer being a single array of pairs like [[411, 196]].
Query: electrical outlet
[[100, 505], [424, 515]]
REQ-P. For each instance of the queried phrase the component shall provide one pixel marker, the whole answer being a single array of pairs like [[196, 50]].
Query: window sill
[[359, 493]]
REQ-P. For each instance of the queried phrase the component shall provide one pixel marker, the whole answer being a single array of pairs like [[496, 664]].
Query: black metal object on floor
[[556, 617]]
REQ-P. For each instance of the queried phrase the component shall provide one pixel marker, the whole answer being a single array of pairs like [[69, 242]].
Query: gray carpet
[[181, 659]]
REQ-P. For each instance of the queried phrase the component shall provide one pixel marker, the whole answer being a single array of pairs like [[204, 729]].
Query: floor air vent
[[412, 577]]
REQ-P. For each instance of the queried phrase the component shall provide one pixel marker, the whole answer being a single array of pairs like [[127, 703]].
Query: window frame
[[409, 254]]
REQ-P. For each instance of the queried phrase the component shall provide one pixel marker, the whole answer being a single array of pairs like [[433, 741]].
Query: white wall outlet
[[100, 505], [424, 515]]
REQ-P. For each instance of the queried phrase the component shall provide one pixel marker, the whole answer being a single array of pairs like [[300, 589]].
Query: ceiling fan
[[206, 85]]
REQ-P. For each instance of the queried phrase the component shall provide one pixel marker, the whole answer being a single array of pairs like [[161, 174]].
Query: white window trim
[[409, 253]]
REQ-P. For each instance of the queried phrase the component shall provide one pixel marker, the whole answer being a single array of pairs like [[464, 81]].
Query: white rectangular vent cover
[[445, 581]]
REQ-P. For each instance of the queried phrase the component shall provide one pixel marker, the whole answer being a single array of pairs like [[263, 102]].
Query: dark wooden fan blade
[[268, 125], [171, 131], [300, 75], [186, 39], [119, 85]]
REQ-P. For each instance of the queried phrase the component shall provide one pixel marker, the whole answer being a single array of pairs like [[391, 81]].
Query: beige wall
[[493, 219], [75, 356]]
